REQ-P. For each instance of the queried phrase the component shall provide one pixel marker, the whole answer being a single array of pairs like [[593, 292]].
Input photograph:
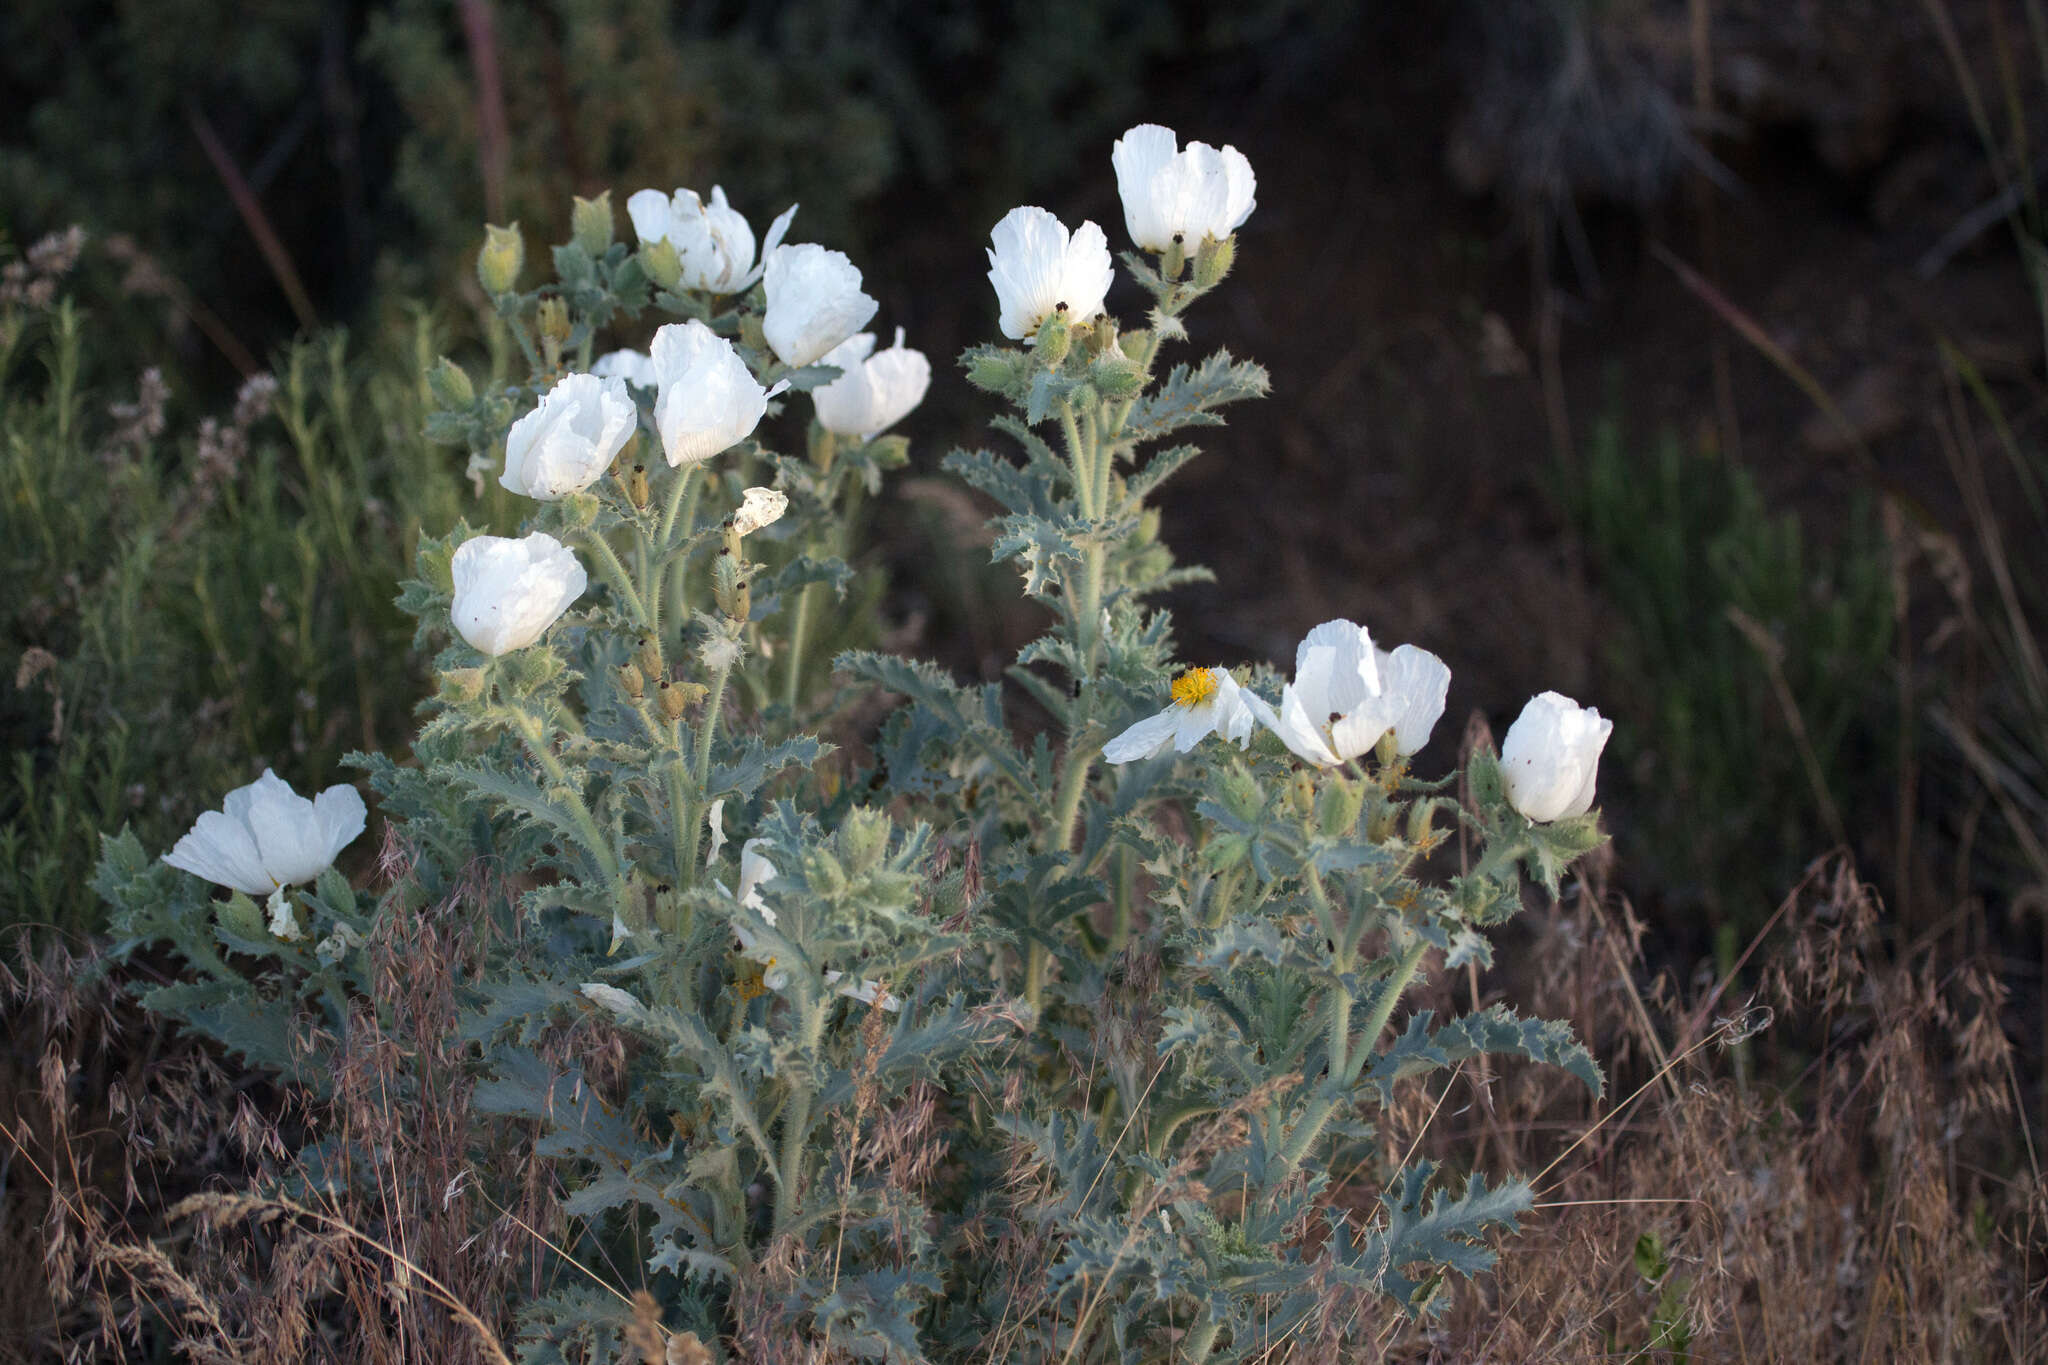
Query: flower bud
[[499, 263], [554, 320], [729, 587], [449, 383], [636, 485], [671, 698], [994, 370], [462, 685], [1053, 338], [1551, 758], [662, 264], [648, 657], [633, 681], [591, 223], [1174, 259], [1213, 262]]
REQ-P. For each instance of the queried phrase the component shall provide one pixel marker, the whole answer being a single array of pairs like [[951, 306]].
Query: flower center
[[1194, 687]]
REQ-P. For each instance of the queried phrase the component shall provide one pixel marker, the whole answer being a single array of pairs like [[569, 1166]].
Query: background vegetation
[[1720, 320]]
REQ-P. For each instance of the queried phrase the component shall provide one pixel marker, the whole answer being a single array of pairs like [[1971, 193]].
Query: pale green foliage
[[184, 607], [1126, 1049]]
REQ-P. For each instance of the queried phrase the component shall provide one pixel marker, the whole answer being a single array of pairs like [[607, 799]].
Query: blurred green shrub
[[368, 134], [1750, 671], [183, 609]]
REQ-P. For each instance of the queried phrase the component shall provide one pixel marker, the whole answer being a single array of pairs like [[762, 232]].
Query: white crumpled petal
[[635, 367], [1193, 194], [872, 393], [508, 592], [755, 872], [759, 507], [1415, 683], [567, 443], [708, 400], [814, 302], [1038, 269]]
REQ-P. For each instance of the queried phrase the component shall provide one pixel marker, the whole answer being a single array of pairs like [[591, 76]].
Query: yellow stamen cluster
[[753, 984], [1195, 686]]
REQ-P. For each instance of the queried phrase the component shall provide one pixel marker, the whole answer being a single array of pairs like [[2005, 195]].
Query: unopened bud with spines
[[636, 485], [1053, 339], [502, 257], [633, 681], [449, 383], [1174, 259], [1213, 261], [591, 223], [648, 657], [662, 264], [671, 699], [729, 587]]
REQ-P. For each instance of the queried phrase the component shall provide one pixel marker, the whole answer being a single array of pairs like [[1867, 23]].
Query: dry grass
[[1877, 1199]]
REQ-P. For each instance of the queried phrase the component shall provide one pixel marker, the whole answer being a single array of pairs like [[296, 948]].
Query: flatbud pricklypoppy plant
[[1045, 1034]]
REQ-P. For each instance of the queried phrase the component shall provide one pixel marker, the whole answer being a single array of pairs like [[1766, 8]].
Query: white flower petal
[[508, 592], [814, 302], [1148, 737], [221, 850]]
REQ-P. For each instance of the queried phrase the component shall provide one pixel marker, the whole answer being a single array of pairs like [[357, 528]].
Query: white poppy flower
[[1335, 709], [814, 302], [507, 592], [1205, 701], [266, 837], [1193, 194], [713, 242], [1413, 682], [566, 444], [1551, 757], [708, 401], [1038, 270], [873, 392], [759, 507], [635, 367]]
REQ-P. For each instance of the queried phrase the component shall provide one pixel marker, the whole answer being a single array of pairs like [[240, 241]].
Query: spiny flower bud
[[636, 485], [673, 703], [554, 320], [499, 263], [449, 383], [1174, 259], [633, 681], [729, 587], [1213, 262], [662, 264], [591, 222], [1053, 338], [462, 684], [647, 657]]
